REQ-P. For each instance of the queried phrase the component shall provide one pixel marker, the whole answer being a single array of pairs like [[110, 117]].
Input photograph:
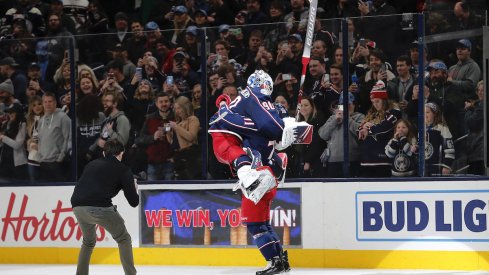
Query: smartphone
[[169, 80], [285, 46], [340, 107], [326, 78], [67, 56], [354, 78], [110, 75], [286, 77], [362, 42], [383, 67], [139, 72], [235, 32]]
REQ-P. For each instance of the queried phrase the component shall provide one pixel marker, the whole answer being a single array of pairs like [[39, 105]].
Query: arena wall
[[387, 224]]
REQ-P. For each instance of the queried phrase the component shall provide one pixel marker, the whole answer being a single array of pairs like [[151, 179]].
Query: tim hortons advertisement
[[41, 217], [211, 217]]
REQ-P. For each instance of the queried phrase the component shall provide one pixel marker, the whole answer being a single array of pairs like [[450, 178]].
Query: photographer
[[153, 138], [253, 15], [116, 82], [182, 78], [92, 204], [147, 68], [222, 49], [36, 85], [181, 20]]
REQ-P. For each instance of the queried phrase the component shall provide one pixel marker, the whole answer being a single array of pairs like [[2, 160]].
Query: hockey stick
[[306, 55]]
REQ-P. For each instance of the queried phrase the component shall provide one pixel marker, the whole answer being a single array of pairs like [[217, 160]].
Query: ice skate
[[284, 256], [274, 266]]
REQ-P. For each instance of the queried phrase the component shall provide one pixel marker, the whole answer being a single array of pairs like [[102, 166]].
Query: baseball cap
[[151, 26], [416, 43], [179, 54], [8, 61], [14, 108], [439, 65], [295, 36], [34, 65], [192, 30], [464, 43], [120, 16], [119, 47], [201, 11], [180, 9], [223, 28]]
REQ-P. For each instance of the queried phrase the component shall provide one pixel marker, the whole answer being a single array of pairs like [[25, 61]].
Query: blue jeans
[[33, 171], [162, 171]]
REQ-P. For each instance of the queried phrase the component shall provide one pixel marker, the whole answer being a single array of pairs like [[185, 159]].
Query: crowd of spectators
[[139, 69]]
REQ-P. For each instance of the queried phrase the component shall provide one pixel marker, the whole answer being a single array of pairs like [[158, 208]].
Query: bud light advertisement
[[423, 216], [212, 218]]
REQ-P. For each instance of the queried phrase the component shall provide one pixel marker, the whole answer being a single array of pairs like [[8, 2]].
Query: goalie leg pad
[[265, 183], [247, 176], [275, 237], [263, 239]]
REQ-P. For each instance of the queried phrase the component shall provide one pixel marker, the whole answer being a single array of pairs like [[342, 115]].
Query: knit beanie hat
[[7, 86], [379, 91]]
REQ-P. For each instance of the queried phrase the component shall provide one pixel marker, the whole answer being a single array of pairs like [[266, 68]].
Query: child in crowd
[[439, 148], [401, 149]]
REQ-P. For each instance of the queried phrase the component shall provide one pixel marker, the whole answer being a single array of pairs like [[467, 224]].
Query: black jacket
[[102, 180]]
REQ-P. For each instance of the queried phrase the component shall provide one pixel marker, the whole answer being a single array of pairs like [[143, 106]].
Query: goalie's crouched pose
[[243, 134]]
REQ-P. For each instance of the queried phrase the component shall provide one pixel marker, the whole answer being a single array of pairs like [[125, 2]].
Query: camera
[[110, 76], [407, 23]]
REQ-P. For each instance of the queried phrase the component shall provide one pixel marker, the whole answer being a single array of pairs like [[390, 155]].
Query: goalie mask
[[261, 80]]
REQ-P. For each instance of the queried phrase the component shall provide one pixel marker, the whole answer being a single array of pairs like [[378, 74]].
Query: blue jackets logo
[[437, 215]]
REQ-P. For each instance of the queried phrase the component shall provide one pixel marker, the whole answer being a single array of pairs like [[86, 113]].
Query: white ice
[[192, 270]]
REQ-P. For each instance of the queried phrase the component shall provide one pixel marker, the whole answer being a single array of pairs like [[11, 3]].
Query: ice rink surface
[[192, 270]]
